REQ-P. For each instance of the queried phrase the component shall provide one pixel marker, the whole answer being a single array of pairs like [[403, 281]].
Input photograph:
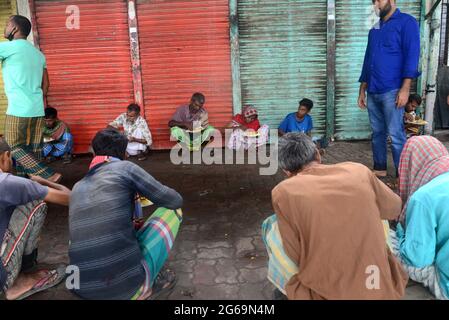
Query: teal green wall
[[283, 57], [354, 20], [281, 48]]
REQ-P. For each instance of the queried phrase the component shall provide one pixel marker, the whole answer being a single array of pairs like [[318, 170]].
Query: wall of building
[[273, 64]]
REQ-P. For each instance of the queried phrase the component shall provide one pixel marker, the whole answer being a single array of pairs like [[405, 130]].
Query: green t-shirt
[[23, 66]]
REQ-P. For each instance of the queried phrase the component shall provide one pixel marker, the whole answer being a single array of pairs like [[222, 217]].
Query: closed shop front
[[184, 48], [90, 66], [7, 9], [283, 57], [354, 19]]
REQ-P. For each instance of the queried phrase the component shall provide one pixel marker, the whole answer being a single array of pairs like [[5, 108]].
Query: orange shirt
[[330, 220]]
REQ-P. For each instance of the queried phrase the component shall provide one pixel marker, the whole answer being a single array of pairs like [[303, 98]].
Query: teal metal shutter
[[354, 19], [283, 57]]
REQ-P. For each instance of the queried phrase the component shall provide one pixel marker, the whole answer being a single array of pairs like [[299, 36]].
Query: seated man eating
[[190, 124], [136, 129], [22, 215], [117, 259], [327, 239], [58, 141]]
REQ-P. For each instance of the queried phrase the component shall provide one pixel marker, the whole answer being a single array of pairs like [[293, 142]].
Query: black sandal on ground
[[141, 157], [50, 159], [164, 283], [67, 159]]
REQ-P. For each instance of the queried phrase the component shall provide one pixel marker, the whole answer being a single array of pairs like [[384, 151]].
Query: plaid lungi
[[156, 239], [24, 136], [192, 140], [21, 238], [280, 267], [60, 148]]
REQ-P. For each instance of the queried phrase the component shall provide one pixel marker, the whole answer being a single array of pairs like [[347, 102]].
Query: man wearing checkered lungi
[[26, 83]]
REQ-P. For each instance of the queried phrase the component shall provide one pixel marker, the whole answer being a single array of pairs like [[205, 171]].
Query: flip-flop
[[52, 279], [58, 180], [159, 289]]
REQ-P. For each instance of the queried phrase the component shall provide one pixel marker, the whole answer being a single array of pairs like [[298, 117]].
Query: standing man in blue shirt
[[391, 62]]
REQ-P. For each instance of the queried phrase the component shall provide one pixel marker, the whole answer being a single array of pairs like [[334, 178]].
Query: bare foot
[[56, 178], [24, 283], [146, 295]]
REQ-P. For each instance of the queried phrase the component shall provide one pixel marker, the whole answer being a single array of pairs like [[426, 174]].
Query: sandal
[[141, 157], [52, 279], [67, 159], [49, 160], [164, 283], [56, 178]]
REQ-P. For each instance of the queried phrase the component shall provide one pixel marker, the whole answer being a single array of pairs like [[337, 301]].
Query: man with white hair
[[327, 239]]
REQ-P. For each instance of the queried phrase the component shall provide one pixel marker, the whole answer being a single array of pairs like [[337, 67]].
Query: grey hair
[[4, 147], [296, 150]]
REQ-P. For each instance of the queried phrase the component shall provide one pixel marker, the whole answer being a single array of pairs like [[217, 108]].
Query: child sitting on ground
[[247, 131], [411, 116], [301, 121], [58, 141]]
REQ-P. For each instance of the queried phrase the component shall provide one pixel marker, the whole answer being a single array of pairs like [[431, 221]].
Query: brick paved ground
[[219, 252]]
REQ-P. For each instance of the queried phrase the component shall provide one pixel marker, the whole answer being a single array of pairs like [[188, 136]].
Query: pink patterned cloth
[[423, 159], [97, 160], [249, 111]]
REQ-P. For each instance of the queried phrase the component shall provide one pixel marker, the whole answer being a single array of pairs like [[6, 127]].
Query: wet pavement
[[219, 253]]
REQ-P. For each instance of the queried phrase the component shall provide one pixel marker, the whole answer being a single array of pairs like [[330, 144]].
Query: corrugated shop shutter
[[184, 47], [7, 9], [354, 19], [283, 57], [90, 68]]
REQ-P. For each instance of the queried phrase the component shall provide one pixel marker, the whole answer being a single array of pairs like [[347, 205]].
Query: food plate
[[418, 122], [252, 134], [144, 202], [196, 130]]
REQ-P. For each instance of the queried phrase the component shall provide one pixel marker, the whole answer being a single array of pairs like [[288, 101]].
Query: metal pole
[[434, 52], [33, 17], [331, 69], [235, 57], [424, 30], [135, 55]]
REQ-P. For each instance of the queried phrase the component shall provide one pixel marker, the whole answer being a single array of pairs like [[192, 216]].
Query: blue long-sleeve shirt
[[426, 238], [392, 54]]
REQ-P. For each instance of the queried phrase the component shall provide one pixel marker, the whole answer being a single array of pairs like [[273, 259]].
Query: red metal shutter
[[184, 48], [90, 68]]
